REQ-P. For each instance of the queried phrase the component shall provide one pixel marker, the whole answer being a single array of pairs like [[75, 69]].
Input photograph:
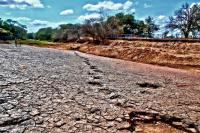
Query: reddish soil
[[156, 128], [177, 55]]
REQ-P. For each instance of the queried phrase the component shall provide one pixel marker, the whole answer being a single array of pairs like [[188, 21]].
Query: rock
[[114, 96], [8, 106], [39, 121], [192, 130], [34, 112], [138, 129], [18, 130], [14, 102], [110, 124], [2, 100], [94, 110], [179, 124], [119, 119], [60, 123], [123, 125]]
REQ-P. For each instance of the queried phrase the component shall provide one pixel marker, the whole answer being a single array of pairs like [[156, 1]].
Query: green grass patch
[[35, 42]]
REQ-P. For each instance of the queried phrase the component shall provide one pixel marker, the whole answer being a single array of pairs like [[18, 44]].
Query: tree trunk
[[186, 34]]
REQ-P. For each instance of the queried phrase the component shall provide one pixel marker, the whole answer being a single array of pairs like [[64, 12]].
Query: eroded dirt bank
[[177, 55], [47, 90]]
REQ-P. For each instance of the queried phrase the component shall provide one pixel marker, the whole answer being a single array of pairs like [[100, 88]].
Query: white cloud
[[161, 18], [127, 5], [147, 5], [161, 21], [21, 4], [67, 12], [35, 25], [89, 16], [38, 23], [23, 19], [108, 5]]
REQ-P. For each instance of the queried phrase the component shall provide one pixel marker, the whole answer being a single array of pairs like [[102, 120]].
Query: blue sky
[[42, 13]]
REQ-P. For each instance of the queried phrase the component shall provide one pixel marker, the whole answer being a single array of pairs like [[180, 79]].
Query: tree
[[141, 26], [88, 28], [114, 26], [128, 22], [31, 36], [13, 29], [45, 34], [97, 28], [186, 19], [19, 31], [150, 27], [1, 22], [67, 32], [165, 34]]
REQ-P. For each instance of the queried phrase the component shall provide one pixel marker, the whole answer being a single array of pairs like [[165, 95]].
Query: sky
[[44, 13]]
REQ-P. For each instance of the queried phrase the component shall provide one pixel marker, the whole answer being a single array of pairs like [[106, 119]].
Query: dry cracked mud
[[47, 90]]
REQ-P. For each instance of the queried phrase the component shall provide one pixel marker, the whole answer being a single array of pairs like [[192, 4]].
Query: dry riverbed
[[48, 90]]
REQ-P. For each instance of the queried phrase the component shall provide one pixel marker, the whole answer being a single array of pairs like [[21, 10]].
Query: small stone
[[138, 129], [34, 112], [177, 123], [124, 125], [127, 117], [114, 96], [59, 123], [39, 121], [2, 100], [192, 130], [119, 119], [8, 106], [110, 124], [94, 110], [14, 102], [18, 130]]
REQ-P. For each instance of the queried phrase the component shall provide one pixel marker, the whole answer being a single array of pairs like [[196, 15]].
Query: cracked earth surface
[[47, 90]]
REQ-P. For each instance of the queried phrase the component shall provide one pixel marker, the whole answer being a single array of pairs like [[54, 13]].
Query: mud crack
[[142, 118]]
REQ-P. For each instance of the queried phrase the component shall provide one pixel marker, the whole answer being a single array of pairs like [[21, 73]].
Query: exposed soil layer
[[172, 54], [145, 122]]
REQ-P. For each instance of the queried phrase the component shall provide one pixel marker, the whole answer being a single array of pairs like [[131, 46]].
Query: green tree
[[31, 36], [45, 34], [13, 29], [141, 26], [127, 21], [1, 22]]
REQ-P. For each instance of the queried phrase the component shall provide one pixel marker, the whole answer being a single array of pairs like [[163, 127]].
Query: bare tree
[[88, 28], [186, 19], [113, 25], [96, 27], [150, 27]]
